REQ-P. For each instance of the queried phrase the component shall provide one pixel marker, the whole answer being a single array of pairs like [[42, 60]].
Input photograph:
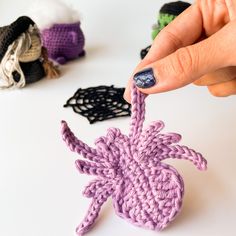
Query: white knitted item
[[46, 13]]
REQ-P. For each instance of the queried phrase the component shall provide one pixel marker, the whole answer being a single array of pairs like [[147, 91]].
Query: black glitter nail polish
[[145, 78]]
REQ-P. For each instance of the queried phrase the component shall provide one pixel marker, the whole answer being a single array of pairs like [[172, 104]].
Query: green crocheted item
[[163, 20], [167, 14]]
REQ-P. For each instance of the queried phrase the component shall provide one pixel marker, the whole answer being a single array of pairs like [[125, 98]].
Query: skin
[[198, 47]]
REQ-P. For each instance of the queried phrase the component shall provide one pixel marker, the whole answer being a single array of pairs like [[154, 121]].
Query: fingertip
[[224, 89], [127, 96], [147, 91], [148, 81], [216, 92], [127, 92]]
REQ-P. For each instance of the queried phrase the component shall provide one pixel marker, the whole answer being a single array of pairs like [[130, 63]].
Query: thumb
[[189, 63]]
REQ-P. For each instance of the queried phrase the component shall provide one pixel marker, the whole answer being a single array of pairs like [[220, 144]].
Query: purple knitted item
[[64, 42], [145, 191]]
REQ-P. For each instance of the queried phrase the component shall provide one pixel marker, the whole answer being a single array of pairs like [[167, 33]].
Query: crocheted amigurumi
[[22, 60], [167, 14], [60, 30], [130, 168]]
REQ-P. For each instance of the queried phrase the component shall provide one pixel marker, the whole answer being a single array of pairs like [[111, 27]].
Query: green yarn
[[167, 14], [163, 20]]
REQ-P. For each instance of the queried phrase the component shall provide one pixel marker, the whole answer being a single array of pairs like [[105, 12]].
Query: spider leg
[[151, 136], [92, 168], [94, 186], [138, 112], [109, 146], [168, 138], [99, 198], [78, 146], [153, 145], [183, 152], [152, 130]]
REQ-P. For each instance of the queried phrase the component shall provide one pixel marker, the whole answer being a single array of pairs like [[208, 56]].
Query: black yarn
[[174, 8], [144, 52], [99, 103], [8, 34], [16, 76], [33, 71]]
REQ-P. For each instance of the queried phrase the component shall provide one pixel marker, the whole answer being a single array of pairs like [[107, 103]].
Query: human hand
[[198, 46]]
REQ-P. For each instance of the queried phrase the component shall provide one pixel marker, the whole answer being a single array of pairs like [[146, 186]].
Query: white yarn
[[46, 13]]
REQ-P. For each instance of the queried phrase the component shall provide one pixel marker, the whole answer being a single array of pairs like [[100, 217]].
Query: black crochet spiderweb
[[99, 103]]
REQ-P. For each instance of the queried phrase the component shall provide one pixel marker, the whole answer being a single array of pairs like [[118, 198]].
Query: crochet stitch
[[167, 14], [99, 103], [34, 51], [60, 29], [8, 34], [19, 42], [21, 58], [145, 191], [33, 70], [64, 42]]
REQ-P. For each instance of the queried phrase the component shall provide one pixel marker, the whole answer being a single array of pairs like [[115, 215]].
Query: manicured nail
[[145, 78]]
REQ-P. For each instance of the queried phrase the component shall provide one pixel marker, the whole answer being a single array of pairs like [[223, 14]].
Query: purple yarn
[[64, 42], [145, 191]]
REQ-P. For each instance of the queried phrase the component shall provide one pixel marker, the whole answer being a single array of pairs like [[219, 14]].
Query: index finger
[[184, 30]]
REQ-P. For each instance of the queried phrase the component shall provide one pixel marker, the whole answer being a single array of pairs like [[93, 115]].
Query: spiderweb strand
[[99, 103]]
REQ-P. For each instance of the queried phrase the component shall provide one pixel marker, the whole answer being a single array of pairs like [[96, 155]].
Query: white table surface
[[40, 188]]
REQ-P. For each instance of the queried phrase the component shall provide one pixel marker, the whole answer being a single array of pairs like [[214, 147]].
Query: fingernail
[[145, 78]]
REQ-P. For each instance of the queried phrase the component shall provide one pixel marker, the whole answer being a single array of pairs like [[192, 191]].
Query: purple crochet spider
[[145, 191]]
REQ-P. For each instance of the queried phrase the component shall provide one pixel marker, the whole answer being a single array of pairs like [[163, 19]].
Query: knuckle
[[214, 14], [208, 4], [183, 62], [172, 38]]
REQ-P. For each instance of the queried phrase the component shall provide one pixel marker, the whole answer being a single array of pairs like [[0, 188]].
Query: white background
[[40, 188]]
